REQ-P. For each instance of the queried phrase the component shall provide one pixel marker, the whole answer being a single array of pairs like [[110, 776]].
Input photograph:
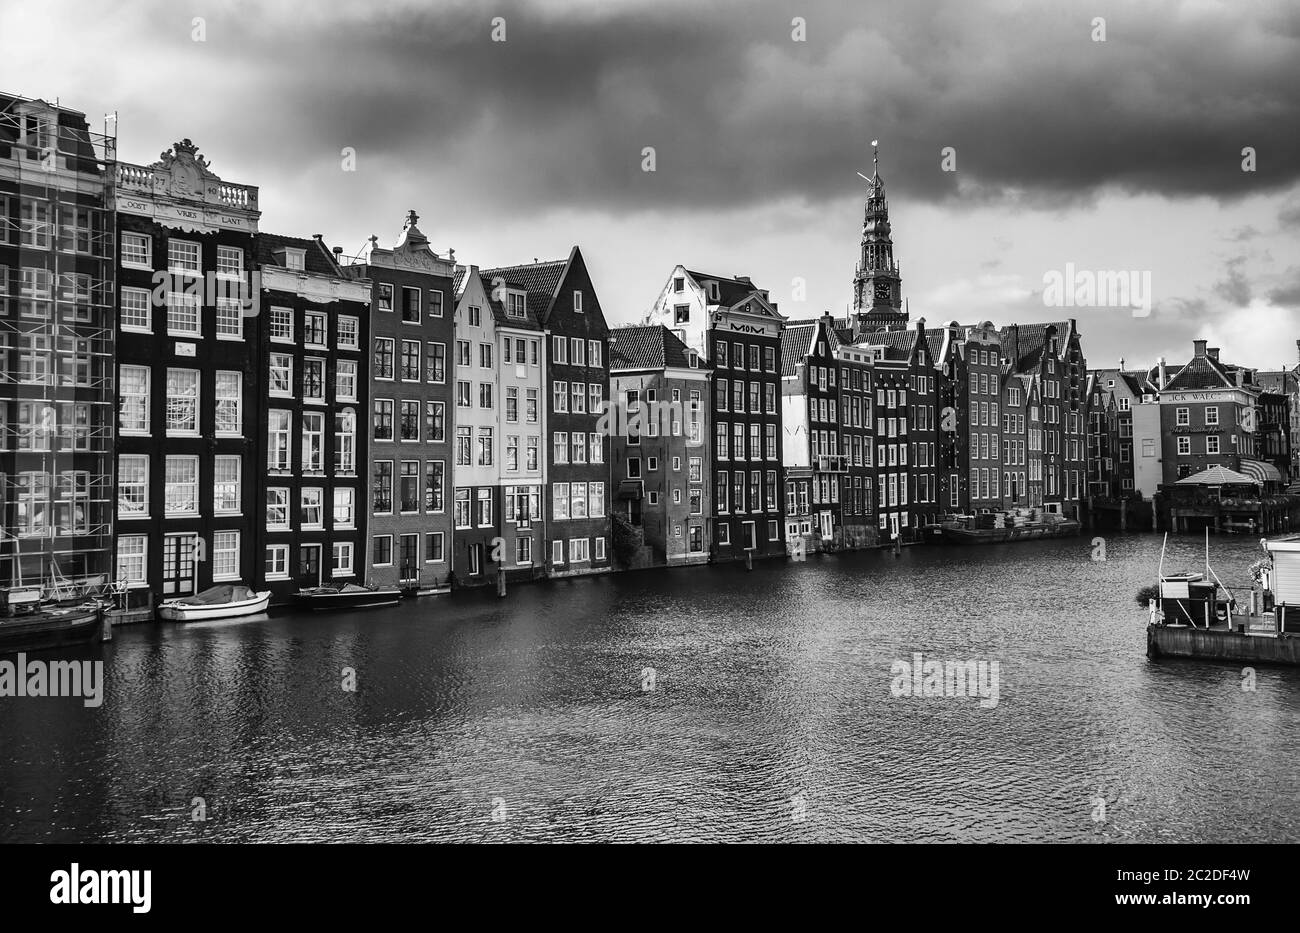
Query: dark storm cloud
[[740, 114], [1287, 294], [1235, 286]]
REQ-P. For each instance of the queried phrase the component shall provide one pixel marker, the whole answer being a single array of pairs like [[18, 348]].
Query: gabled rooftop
[[539, 279], [317, 258], [731, 290], [651, 347]]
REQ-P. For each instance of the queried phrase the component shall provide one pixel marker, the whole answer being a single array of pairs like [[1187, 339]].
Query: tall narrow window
[[182, 401], [229, 403], [313, 441], [279, 424], [182, 485], [132, 486], [133, 387], [345, 442], [226, 483]]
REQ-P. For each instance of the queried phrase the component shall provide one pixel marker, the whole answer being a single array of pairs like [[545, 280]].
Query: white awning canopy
[[1218, 476]]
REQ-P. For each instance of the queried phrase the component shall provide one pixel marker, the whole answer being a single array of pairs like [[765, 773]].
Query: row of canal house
[[882, 425], [288, 417]]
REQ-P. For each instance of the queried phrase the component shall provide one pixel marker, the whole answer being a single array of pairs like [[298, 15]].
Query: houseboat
[[226, 601], [348, 596], [54, 627], [1194, 615], [1013, 525]]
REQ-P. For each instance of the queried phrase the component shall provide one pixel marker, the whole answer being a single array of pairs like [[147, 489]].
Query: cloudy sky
[[1115, 155]]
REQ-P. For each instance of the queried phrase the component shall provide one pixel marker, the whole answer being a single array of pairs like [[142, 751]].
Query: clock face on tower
[[882, 289]]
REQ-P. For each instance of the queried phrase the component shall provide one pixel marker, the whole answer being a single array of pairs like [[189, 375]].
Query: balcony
[[149, 181], [831, 463]]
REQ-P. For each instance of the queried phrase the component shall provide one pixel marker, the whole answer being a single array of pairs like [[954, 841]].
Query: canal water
[[708, 704]]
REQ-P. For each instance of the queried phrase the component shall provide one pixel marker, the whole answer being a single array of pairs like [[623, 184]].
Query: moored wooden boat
[[50, 628], [962, 534], [226, 601], [348, 596]]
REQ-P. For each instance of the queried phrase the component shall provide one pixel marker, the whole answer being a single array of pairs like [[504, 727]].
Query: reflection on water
[[771, 715]]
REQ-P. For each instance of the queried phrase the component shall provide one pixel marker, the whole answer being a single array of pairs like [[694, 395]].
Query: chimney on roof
[[1160, 384], [744, 278], [1198, 347], [338, 255], [1213, 353], [1121, 364], [318, 237]]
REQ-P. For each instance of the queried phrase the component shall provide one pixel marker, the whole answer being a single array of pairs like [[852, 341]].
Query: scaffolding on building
[[58, 401]]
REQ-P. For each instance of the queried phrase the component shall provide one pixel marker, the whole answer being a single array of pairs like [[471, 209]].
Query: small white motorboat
[[227, 601]]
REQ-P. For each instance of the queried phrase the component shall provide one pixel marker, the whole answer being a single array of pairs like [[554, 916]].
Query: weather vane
[[875, 159]]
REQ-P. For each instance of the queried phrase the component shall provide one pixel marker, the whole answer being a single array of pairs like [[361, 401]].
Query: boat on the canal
[[53, 627], [348, 596], [226, 601], [1193, 614], [1014, 525]]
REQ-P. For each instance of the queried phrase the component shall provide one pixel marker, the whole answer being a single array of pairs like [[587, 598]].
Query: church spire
[[877, 286]]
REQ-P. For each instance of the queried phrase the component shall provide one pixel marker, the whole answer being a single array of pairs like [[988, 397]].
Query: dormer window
[[692, 359], [36, 134], [515, 304], [295, 259], [713, 291]]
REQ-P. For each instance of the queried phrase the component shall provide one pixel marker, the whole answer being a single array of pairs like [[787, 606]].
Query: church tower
[[877, 285]]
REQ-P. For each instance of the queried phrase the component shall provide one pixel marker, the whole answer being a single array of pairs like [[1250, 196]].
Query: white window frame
[[186, 247], [227, 269], [130, 238], [277, 321], [226, 375], [217, 481], [281, 494], [139, 545], [146, 395], [143, 485], [168, 462], [232, 548], [349, 332], [283, 551], [144, 295]]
